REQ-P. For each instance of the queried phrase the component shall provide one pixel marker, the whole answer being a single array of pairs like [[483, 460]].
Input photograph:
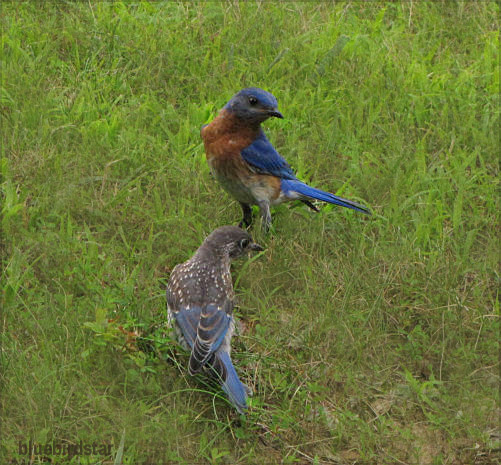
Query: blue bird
[[247, 165], [200, 300]]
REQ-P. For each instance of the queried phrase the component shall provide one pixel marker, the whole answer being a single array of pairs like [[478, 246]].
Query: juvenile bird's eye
[[252, 100], [244, 243]]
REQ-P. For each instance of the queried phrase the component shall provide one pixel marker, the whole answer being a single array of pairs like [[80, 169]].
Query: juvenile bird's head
[[253, 105], [229, 241]]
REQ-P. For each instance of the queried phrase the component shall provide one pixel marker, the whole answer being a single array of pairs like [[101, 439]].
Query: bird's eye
[[244, 243], [252, 100]]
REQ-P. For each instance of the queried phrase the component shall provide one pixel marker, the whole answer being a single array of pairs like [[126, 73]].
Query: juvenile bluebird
[[247, 165], [200, 307]]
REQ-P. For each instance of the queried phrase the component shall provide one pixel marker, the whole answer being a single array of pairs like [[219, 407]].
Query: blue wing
[[297, 190], [265, 159], [187, 319], [211, 331]]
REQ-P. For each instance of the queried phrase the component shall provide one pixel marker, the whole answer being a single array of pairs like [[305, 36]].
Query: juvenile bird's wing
[[187, 320], [263, 157], [211, 331]]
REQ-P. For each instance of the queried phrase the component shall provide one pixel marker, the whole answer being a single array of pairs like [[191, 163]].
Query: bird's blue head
[[253, 105]]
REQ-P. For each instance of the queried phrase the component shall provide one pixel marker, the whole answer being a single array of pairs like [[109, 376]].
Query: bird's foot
[[307, 202]]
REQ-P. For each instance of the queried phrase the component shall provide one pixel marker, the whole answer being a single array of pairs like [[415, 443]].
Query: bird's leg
[[264, 208], [247, 219]]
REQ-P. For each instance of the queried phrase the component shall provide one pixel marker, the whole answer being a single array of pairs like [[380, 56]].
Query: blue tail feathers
[[232, 385], [294, 189]]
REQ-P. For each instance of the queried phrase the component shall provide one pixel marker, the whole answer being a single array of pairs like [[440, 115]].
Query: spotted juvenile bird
[[247, 165], [200, 307]]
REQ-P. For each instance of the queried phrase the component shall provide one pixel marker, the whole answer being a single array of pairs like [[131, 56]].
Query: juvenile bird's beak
[[256, 247], [276, 114]]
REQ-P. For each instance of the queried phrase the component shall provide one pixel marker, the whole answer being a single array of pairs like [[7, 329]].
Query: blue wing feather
[[264, 158], [294, 189], [187, 319], [211, 331]]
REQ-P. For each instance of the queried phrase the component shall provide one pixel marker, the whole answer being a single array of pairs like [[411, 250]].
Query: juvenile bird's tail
[[230, 382], [294, 189]]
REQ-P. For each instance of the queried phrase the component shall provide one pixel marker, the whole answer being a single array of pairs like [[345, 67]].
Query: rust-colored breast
[[224, 138]]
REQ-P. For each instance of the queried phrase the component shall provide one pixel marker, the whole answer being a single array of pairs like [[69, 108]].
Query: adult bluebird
[[247, 165], [200, 307]]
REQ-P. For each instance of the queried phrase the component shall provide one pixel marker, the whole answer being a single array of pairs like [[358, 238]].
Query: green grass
[[366, 340]]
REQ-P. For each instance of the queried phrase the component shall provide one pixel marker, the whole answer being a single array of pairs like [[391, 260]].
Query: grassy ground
[[366, 340]]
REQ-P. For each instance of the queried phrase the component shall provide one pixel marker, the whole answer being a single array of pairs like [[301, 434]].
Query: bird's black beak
[[255, 246], [276, 114]]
